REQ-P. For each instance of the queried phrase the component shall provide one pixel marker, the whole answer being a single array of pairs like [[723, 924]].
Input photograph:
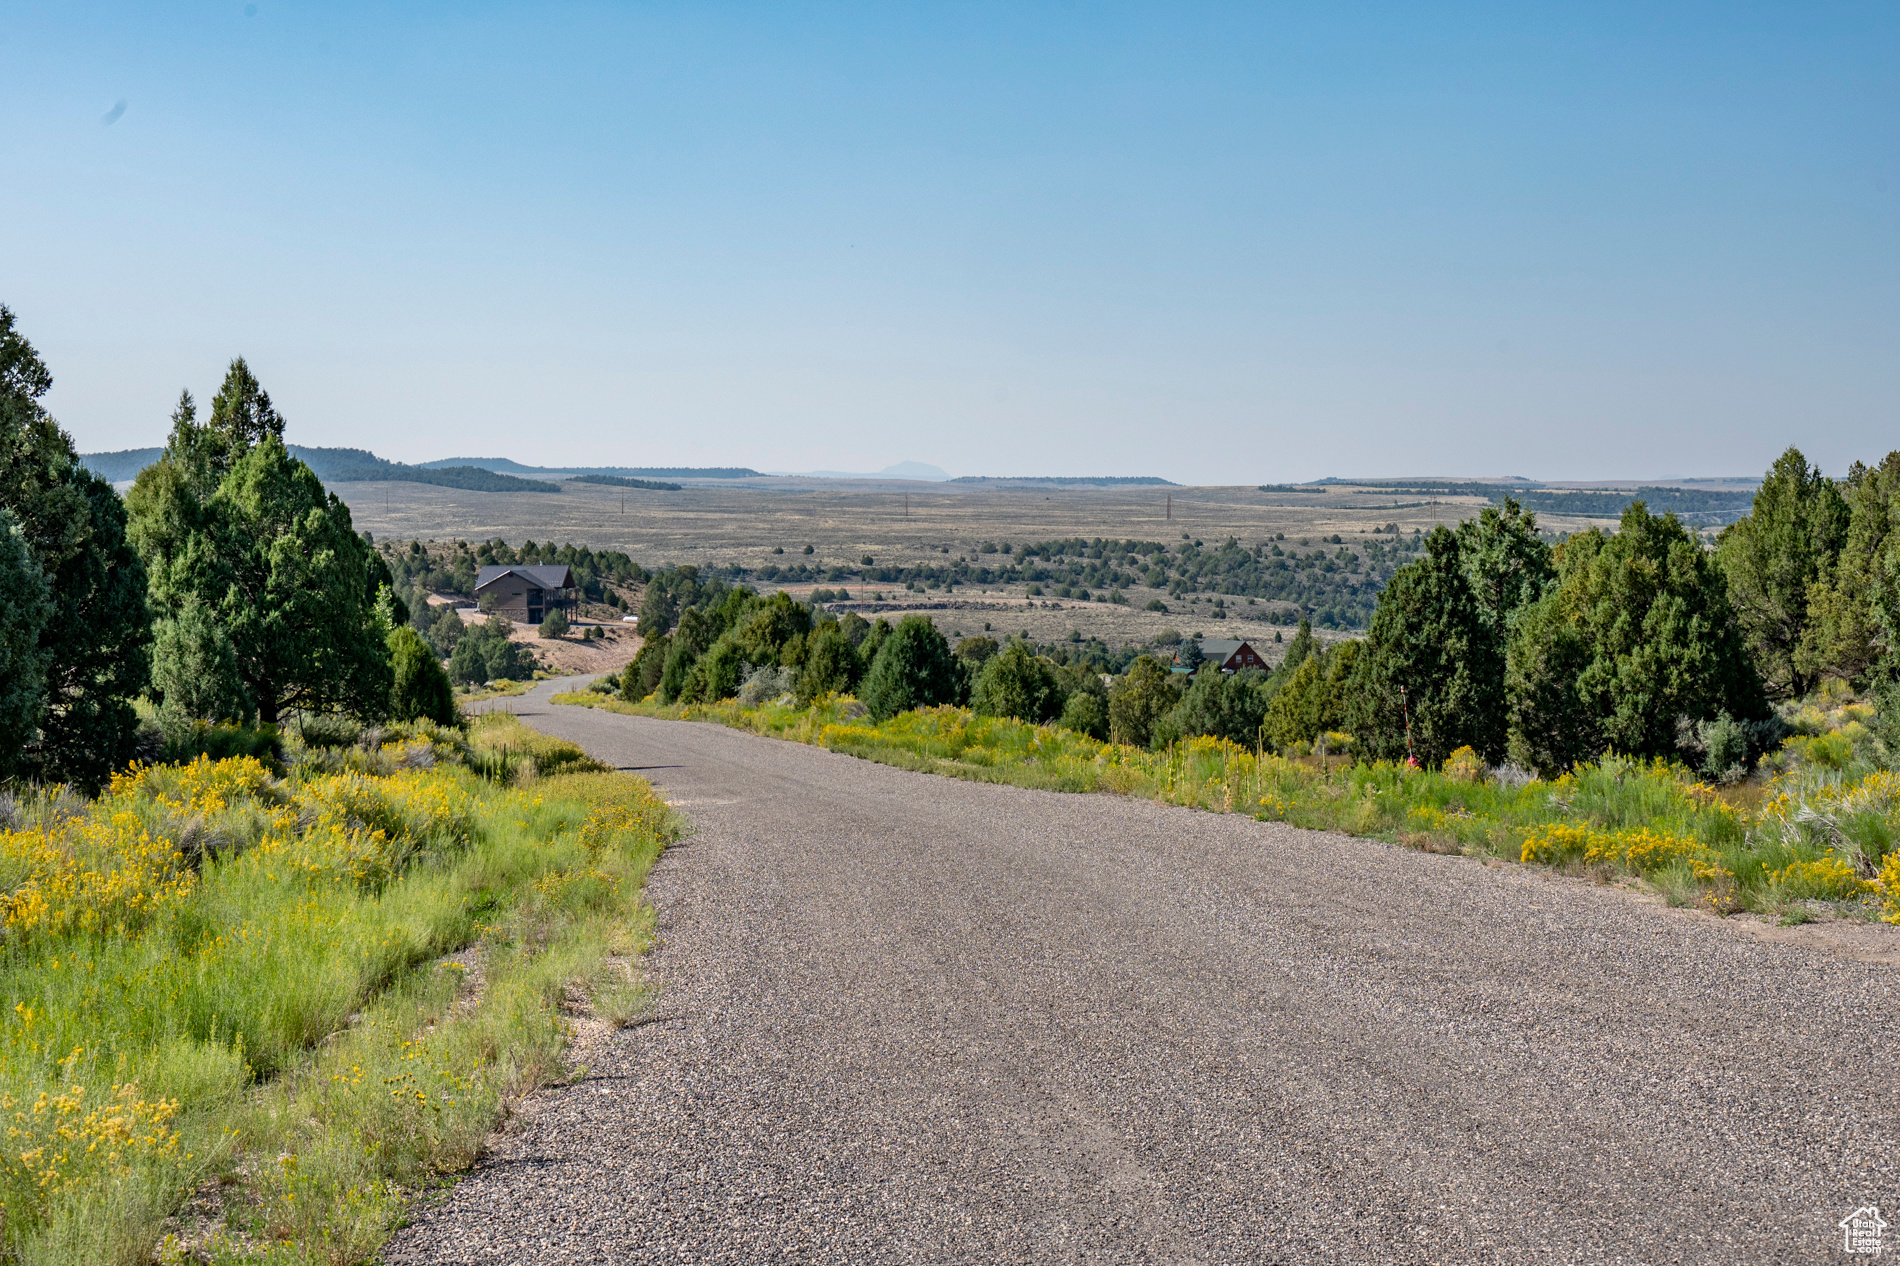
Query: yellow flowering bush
[[70, 1135], [100, 873], [1831, 877], [1464, 765], [1638, 850]]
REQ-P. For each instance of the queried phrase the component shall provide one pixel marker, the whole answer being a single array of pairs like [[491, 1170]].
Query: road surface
[[911, 1019]]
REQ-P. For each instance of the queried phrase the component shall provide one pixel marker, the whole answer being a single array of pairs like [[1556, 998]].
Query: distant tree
[[1302, 645], [1312, 699], [1139, 701], [769, 627], [717, 674], [486, 653], [445, 631], [554, 624], [1017, 683], [24, 605], [696, 633], [1845, 636], [976, 650], [872, 641], [831, 664], [420, 689], [642, 677], [1773, 556], [913, 669], [1426, 638]]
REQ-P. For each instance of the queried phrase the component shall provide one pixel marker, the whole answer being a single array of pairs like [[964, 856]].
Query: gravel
[[906, 1018]]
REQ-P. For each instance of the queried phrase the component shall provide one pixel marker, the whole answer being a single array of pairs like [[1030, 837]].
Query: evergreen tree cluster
[[1337, 582], [1640, 641], [226, 586]]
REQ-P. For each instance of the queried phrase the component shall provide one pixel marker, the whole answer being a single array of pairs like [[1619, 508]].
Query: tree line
[[1640, 640]]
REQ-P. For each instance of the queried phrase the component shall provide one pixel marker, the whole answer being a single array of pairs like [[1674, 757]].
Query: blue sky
[[1216, 243]]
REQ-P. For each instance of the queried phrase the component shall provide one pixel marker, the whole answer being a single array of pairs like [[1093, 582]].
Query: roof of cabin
[[540, 575]]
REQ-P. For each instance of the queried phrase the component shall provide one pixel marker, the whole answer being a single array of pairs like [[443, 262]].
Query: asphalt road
[[907, 1018]]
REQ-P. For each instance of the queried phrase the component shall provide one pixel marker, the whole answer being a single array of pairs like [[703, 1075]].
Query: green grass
[[225, 980], [1817, 830]]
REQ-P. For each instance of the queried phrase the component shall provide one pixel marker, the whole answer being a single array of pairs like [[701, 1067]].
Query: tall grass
[[216, 973], [1821, 825]]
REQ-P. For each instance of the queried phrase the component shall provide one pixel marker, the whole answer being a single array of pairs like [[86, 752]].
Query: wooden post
[[1170, 507]]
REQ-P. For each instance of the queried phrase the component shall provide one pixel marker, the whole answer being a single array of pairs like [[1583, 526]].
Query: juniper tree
[[1772, 558]]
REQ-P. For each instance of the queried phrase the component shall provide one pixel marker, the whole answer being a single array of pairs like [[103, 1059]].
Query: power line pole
[[1170, 507]]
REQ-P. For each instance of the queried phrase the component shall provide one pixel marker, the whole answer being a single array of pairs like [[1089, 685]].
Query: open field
[[908, 524], [742, 521]]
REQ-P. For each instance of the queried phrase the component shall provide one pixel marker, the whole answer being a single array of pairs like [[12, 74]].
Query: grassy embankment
[[232, 980], [1817, 834]]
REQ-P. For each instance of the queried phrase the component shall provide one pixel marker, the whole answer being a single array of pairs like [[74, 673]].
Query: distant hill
[[507, 466], [621, 481], [120, 466], [1080, 481], [337, 466]]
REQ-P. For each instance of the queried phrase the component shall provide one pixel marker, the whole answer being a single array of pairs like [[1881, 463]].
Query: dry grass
[[741, 522]]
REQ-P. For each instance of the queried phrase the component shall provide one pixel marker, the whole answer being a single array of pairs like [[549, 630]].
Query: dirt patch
[[609, 653]]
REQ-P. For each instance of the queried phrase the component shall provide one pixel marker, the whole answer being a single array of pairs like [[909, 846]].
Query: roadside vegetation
[[284, 994], [280, 932]]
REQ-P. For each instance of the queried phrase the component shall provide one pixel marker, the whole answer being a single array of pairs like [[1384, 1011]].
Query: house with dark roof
[[525, 592], [1227, 654]]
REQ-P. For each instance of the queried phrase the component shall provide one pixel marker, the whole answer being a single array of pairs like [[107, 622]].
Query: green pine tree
[[914, 669], [1773, 557], [1429, 654]]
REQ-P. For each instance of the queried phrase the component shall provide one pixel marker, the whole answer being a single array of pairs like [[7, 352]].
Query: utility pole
[[1170, 507], [907, 504]]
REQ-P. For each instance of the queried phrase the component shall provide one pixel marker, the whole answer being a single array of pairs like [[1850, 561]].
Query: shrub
[[1139, 701], [421, 690], [1016, 683], [555, 625], [1086, 714], [831, 664], [1464, 765], [913, 669], [486, 653], [1724, 742]]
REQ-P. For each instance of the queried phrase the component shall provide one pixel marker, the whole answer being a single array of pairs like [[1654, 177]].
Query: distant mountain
[[1079, 481], [508, 466], [339, 466], [903, 470]]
